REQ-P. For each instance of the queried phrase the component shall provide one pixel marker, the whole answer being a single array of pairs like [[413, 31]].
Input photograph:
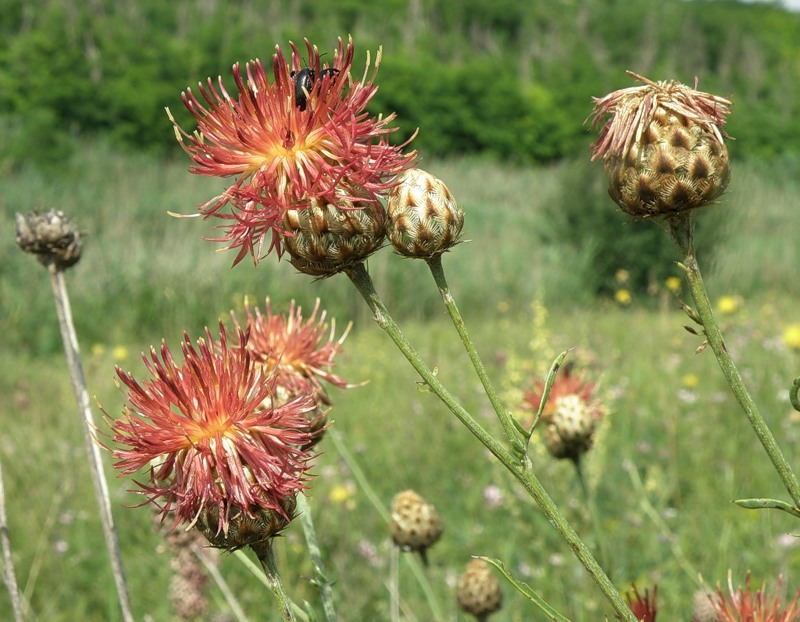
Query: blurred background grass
[[499, 104], [146, 275]]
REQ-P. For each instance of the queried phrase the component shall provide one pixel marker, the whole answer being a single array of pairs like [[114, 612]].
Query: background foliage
[[504, 78]]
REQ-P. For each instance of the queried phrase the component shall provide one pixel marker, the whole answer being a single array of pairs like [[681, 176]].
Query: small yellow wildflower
[[690, 381], [791, 336], [673, 284], [339, 494], [98, 349], [623, 296], [728, 305], [622, 276], [120, 353]]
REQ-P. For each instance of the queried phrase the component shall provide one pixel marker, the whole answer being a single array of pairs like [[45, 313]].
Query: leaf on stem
[[526, 591], [768, 504]]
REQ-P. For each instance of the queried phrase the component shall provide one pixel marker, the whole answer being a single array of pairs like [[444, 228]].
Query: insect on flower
[[304, 81]]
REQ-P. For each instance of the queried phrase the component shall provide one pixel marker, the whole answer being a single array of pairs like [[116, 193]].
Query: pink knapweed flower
[[209, 442], [643, 606], [300, 352], [304, 136], [744, 605]]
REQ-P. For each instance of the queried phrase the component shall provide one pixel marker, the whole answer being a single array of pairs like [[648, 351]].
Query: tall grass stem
[[72, 351], [521, 469]]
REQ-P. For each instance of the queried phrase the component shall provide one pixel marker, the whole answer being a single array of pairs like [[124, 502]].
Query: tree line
[[502, 78]]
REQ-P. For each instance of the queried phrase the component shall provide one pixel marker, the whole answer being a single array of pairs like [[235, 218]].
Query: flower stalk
[[266, 556], [9, 575], [56, 242], [321, 579], [521, 469], [681, 232], [505, 416]]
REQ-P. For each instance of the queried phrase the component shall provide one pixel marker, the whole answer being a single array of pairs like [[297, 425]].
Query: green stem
[[412, 561], [266, 556], [591, 506], [320, 576], [520, 469], [505, 416], [716, 341]]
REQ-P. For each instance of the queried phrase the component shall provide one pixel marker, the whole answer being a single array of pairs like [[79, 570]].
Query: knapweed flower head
[[746, 605], [423, 218], [299, 351], [213, 450], [414, 523], [662, 145], [478, 590], [643, 606], [300, 354], [299, 139], [570, 415]]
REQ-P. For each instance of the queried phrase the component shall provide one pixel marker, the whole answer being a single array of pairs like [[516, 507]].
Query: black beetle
[[304, 82]]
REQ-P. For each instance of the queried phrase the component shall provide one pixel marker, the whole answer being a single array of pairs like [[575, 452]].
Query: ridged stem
[[320, 576], [505, 416], [70, 340], [681, 231], [266, 556], [9, 576], [521, 469]]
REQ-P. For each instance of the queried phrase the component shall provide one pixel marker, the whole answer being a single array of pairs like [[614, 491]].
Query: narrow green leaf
[[526, 590], [768, 504]]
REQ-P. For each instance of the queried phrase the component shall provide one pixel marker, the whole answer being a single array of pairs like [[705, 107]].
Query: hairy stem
[[320, 576], [521, 469], [266, 556], [681, 232], [505, 416]]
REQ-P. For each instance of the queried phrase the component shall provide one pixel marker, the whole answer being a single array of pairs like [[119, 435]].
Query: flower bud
[[478, 590], [415, 524], [570, 428], [326, 238], [662, 147], [423, 218], [51, 236], [246, 529]]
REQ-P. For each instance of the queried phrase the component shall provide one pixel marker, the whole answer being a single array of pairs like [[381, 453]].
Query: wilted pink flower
[[570, 414], [299, 352], [744, 605], [304, 136], [643, 606], [202, 429]]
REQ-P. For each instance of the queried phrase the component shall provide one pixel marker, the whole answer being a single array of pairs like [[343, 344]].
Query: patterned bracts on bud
[[415, 524], [570, 428], [246, 529], [662, 147], [478, 590], [51, 236], [326, 238], [423, 218]]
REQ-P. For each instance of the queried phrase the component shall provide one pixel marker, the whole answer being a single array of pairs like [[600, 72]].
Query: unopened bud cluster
[[415, 524], [422, 220], [478, 590], [662, 147]]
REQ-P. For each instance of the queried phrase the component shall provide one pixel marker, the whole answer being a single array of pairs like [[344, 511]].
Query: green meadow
[[672, 455]]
